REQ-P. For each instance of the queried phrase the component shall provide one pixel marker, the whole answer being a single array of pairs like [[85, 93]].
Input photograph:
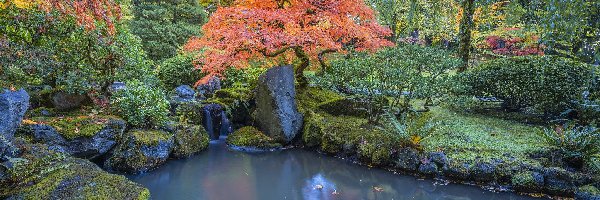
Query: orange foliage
[[86, 12], [253, 29]]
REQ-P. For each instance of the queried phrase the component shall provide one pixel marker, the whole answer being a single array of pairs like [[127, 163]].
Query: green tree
[[165, 25]]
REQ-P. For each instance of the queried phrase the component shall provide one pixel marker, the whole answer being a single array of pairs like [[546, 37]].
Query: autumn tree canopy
[[86, 12], [252, 29]]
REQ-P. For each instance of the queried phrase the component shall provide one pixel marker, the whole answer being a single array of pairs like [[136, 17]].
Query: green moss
[[590, 189], [38, 112], [42, 174], [523, 180], [251, 137], [231, 97], [188, 140], [76, 126], [475, 137], [149, 137], [190, 113], [309, 98]]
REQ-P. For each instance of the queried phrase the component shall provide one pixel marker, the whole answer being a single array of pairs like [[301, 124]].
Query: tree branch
[[321, 61], [276, 53]]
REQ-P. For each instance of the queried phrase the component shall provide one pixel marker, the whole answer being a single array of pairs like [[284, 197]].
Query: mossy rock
[[190, 113], [310, 98], [41, 112], [251, 137], [238, 104], [527, 181], [189, 140], [358, 107], [588, 192], [42, 174], [312, 130], [140, 151], [72, 127]]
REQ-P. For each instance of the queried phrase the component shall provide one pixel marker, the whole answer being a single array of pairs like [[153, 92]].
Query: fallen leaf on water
[[335, 192], [377, 189], [318, 187]]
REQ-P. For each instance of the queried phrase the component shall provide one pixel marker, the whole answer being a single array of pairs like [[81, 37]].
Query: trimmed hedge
[[549, 84]]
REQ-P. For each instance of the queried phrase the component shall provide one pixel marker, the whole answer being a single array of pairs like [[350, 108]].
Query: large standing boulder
[[13, 105], [67, 101], [140, 151], [276, 110]]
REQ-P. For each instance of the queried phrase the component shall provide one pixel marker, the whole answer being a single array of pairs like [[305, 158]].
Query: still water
[[223, 174]]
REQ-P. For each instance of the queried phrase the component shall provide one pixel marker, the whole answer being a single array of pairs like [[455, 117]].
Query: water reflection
[[221, 174]]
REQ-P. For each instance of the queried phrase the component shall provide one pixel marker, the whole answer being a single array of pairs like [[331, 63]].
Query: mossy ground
[[251, 137], [43, 174], [470, 137]]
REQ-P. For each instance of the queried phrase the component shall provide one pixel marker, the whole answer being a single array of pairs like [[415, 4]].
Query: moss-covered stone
[[311, 97], [43, 174], [587, 192], [238, 103], [354, 106], [251, 137], [190, 113], [72, 127], [189, 140], [140, 151], [527, 181]]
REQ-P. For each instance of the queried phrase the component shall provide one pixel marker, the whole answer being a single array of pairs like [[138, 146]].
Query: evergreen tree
[[164, 25]]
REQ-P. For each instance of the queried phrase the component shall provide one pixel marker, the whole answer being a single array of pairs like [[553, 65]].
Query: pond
[[222, 174]]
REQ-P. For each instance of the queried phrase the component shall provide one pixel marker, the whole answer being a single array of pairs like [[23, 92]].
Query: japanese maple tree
[[306, 29]]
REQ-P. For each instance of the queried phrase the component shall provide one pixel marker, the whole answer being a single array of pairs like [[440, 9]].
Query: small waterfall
[[215, 121]]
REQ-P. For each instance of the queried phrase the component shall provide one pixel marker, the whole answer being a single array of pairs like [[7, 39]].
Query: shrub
[[39, 48], [165, 25], [247, 77], [574, 141], [547, 83], [178, 70], [410, 71], [141, 105], [412, 127]]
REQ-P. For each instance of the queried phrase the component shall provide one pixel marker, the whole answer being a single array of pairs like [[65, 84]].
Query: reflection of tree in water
[[292, 174]]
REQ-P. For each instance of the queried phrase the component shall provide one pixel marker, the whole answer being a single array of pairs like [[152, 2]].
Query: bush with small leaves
[[178, 70], [141, 105], [549, 84]]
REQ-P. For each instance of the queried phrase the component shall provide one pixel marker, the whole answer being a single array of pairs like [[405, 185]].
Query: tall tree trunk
[[302, 65], [466, 26]]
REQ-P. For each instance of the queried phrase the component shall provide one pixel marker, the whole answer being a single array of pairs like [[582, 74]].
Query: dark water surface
[[223, 174]]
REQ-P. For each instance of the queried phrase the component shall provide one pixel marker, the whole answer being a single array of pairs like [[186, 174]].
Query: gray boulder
[[408, 159], [276, 110], [185, 92], [205, 91], [66, 101], [13, 106], [82, 147], [99, 144], [140, 151]]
